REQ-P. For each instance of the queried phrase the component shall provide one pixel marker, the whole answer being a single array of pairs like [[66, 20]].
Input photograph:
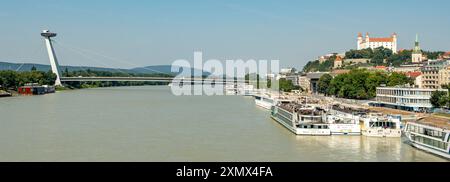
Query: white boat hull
[[428, 149], [300, 131], [394, 133], [262, 104], [345, 129], [313, 132]]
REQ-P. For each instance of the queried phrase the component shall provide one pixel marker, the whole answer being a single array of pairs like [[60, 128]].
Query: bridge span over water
[[60, 79], [154, 79]]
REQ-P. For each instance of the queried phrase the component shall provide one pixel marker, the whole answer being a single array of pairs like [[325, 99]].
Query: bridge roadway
[[152, 79]]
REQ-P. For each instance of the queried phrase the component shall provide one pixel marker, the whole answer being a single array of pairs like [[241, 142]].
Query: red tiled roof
[[338, 58], [381, 39], [414, 74]]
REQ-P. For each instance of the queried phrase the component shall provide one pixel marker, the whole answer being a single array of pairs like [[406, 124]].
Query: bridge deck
[[152, 79]]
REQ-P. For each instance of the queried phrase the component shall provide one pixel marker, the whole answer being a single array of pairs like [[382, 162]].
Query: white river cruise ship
[[344, 120], [266, 101], [430, 134], [301, 119]]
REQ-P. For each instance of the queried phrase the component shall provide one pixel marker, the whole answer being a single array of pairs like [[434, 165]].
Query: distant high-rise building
[[417, 56], [386, 42]]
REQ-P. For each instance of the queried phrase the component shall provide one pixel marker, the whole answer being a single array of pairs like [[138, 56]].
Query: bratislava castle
[[369, 42]]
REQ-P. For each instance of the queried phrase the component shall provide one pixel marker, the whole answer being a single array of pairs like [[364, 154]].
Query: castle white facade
[[369, 42]]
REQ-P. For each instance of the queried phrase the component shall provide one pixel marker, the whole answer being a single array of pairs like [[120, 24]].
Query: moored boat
[[266, 101], [341, 124], [300, 119], [377, 125], [344, 120], [430, 134]]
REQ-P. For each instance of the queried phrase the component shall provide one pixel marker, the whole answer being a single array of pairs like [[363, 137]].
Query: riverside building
[[435, 74], [405, 98]]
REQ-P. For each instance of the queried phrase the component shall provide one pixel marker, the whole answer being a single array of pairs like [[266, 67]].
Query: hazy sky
[[137, 33]]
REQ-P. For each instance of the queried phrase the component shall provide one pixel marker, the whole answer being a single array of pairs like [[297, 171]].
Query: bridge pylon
[[52, 56]]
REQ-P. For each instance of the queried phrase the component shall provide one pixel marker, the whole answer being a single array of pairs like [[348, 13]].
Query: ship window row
[[428, 132], [430, 142], [382, 124], [285, 114], [404, 92], [311, 119], [402, 100], [287, 121], [314, 126]]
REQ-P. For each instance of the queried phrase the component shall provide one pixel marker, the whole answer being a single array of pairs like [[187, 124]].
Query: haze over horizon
[[126, 35]]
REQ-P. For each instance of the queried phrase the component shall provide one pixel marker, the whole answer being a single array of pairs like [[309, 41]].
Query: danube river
[[150, 124]]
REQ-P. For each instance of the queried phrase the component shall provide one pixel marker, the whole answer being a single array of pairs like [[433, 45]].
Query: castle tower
[[417, 52], [52, 56], [394, 42], [367, 42], [359, 41]]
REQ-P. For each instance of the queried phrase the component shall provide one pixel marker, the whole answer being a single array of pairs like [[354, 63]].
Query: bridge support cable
[[113, 59], [85, 55]]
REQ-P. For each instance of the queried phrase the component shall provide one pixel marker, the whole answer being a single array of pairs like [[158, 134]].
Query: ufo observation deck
[[48, 34]]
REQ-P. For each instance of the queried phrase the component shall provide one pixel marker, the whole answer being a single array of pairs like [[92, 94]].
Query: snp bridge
[[59, 79]]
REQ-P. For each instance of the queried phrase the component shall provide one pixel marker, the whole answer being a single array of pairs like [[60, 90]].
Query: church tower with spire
[[417, 52]]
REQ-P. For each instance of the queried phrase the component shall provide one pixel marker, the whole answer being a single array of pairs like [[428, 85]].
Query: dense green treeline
[[94, 73], [359, 83], [12, 80]]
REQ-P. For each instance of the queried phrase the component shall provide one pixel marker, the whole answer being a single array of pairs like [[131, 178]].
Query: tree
[[324, 83], [49, 78], [336, 84], [317, 66], [33, 68], [380, 54], [361, 84], [66, 72], [359, 54], [400, 58], [432, 55], [287, 86], [9, 79], [398, 79], [373, 81], [439, 99]]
